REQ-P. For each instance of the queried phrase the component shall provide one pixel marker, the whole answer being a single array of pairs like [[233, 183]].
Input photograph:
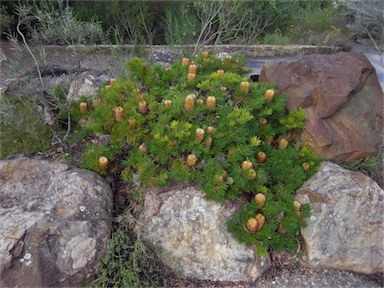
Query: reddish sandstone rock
[[342, 97]]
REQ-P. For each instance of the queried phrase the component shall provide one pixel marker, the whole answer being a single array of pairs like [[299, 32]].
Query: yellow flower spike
[[184, 61], [268, 140], [211, 103], [219, 179], [191, 159], [83, 106], [252, 225], [306, 166], [244, 87], [208, 142], [269, 95], [132, 124], [283, 143], [119, 114], [297, 205], [143, 148], [251, 174], [96, 102], [260, 199], [230, 181], [263, 121], [191, 77], [167, 103], [228, 59], [260, 221], [261, 157], [199, 134], [192, 69], [143, 107], [246, 165], [103, 162], [220, 73], [189, 102], [210, 130]]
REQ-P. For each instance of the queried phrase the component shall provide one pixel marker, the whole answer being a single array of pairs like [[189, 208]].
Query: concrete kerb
[[249, 51]]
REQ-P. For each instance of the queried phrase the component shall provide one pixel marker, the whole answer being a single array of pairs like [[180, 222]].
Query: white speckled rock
[[189, 234], [55, 222], [346, 229], [84, 85]]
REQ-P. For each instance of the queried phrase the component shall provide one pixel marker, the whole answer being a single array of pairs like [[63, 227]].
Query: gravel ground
[[301, 277], [297, 277], [294, 275]]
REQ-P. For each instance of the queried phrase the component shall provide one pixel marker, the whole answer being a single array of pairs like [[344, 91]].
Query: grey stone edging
[[250, 51]]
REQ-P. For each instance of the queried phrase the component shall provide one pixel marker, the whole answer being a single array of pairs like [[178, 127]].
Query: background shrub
[[6, 19], [52, 22], [182, 22]]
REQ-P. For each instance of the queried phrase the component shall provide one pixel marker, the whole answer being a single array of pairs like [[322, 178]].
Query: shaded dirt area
[[284, 273], [18, 62]]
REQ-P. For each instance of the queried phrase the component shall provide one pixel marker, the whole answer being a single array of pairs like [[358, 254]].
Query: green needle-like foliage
[[163, 114]]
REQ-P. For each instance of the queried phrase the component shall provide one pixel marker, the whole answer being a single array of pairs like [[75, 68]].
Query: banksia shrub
[[228, 142]]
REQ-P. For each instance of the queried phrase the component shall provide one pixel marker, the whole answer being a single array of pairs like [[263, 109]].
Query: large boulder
[[346, 228], [342, 97], [189, 234], [55, 222]]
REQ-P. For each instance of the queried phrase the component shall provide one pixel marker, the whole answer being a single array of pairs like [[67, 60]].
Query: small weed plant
[[129, 263], [22, 131], [372, 167], [204, 124]]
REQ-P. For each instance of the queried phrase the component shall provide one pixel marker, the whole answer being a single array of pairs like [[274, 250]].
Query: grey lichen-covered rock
[[346, 228], [189, 234], [85, 85], [162, 56], [55, 222]]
